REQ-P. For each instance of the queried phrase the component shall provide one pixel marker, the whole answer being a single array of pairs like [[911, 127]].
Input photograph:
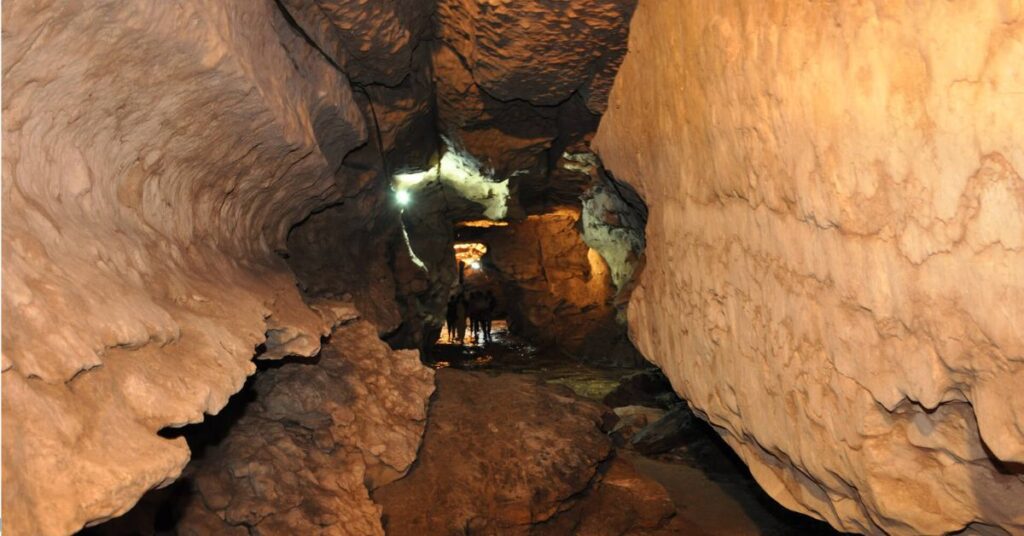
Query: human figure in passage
[[488, 315], [451, 315], [460, 317], [477, 309]]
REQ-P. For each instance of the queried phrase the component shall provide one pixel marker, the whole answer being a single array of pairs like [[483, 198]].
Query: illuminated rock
[[517, 81], [834, 271], [556, 289], [533, 51], [508, 454]]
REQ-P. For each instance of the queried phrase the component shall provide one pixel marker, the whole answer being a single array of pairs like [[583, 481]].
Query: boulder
[[666, 433], [508, 454], [632, 419], [835, 247], [647, 388]]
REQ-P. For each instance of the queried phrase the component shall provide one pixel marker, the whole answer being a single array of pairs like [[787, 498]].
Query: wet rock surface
[[665, 433], [711, 489], [632, 419], [623, 503]]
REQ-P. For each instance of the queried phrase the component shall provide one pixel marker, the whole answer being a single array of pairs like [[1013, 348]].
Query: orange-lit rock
[[479, 422], [556, 289], [834, 266], [508, 454]]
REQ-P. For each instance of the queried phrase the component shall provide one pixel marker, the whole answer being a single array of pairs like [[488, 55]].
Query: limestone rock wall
[[834, 271], [354, 265], [155, 155]]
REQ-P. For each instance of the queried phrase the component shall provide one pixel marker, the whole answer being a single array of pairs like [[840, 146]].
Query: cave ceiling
[[513, 87]]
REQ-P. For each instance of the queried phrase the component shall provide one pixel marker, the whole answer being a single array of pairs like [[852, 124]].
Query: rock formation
[[508, 454], [519, 82], [315, 437], [834, 271], [156, 158], [834, 251], [556, 289]]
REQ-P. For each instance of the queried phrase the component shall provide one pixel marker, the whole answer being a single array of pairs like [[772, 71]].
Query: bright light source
[[475, 265], [403, 197]]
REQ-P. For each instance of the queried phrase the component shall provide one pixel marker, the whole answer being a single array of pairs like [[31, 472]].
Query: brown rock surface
[[623, 503], [507, 454], [322, 259], [372, 41], [834, 267], [313, 439], [519, 82], [537, 50]]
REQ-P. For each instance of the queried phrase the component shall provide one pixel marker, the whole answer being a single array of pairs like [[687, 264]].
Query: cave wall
[[349, 252], [155, 156], [519, 82], [834, 271]]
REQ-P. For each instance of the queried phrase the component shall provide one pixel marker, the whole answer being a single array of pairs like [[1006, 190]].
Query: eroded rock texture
[[520, 82], [155, 156], [834, 266], [313, 440]]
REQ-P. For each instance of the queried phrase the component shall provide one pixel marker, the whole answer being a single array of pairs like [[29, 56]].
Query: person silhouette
[[460, 317], [451, 315], [491, 303], [478, 312]]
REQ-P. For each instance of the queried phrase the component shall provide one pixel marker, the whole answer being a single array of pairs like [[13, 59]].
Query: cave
[[545, 267]]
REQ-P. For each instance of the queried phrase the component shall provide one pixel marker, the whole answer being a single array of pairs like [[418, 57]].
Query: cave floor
[[710, 486]]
